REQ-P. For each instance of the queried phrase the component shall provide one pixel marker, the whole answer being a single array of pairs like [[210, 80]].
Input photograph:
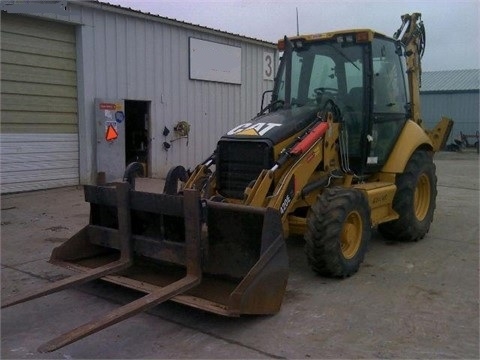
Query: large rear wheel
[[414, 200], [338, 232]]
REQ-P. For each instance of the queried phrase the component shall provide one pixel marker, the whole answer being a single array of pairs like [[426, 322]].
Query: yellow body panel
[[411, 138], [380, 198]]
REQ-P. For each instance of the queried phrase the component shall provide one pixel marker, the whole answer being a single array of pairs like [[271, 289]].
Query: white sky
[[452, 26]]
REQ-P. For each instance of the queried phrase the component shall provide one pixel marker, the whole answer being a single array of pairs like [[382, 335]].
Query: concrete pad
[[34, 223]]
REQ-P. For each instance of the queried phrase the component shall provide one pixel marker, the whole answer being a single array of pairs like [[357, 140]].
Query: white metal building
[[82, 68]]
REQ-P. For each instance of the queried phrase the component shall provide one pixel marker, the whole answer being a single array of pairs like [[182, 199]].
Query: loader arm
[[302, 162], [289, 188]]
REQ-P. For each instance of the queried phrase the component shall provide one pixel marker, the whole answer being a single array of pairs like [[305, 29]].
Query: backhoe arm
[[413, 39]]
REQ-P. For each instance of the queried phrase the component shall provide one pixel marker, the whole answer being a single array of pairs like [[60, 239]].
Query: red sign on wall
[[107, 106]]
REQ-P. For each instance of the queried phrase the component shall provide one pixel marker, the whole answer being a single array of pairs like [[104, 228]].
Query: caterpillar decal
[[258, 129]]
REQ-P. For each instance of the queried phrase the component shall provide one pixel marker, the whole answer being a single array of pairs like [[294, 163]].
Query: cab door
[[389, 97]]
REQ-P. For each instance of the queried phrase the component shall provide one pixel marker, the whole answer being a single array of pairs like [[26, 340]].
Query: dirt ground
[[408, 300]]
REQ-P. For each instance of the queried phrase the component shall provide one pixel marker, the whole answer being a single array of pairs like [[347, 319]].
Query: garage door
[[39, 126]]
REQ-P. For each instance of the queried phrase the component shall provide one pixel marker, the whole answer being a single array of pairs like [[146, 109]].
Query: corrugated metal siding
[[143, 59], [451, 80], [38, 104], [463, 108]]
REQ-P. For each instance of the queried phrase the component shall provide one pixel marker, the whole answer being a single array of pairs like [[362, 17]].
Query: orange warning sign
[[111, 133]]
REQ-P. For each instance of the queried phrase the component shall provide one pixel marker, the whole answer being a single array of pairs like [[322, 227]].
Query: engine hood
[[275, 126]]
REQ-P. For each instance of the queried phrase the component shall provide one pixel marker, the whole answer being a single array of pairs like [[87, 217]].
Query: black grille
[[240, 162]]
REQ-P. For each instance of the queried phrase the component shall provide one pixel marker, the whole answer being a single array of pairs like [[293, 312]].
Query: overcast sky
[[452, 26]]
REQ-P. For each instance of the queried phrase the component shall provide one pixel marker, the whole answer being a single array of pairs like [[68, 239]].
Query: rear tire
[[338, 232], [414, 200]]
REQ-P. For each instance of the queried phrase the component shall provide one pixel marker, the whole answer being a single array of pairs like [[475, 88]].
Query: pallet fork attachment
[[191, 279], [223, 258]]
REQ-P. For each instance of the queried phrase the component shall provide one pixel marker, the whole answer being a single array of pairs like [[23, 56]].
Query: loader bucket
[[242, 254], [222, 258]]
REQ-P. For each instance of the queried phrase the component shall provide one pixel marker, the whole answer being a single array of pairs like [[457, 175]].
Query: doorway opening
[[137, 133]]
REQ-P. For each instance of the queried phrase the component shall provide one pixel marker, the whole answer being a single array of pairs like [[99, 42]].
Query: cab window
[[323, 74], [388, 80]]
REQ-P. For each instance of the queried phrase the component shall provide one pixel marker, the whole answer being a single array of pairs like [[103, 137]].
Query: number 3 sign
[[268, 66]]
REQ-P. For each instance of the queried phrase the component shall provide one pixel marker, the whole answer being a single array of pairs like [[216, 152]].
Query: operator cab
[[341, 68]]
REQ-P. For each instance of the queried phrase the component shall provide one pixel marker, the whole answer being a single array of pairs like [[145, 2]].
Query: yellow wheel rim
[[351, 236], [421, 202]]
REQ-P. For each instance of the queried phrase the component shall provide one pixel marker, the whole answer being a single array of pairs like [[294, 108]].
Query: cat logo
[[249, 129]]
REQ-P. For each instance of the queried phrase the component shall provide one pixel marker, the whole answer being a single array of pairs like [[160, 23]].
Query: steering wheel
[[324, 93], [325, 90]]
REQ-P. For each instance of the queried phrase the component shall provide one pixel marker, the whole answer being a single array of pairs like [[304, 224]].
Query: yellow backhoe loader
[[338, 150]]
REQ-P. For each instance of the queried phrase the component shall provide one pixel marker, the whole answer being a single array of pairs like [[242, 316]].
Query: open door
[[110, 123], [137, 132]]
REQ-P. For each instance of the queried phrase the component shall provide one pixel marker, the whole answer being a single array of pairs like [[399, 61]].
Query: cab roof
[[365, 35]]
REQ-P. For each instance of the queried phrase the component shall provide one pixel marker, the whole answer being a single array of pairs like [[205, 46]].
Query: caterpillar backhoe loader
[[338, 150]]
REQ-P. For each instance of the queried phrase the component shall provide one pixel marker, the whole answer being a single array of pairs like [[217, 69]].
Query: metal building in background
[[455, 94], [88, 87]]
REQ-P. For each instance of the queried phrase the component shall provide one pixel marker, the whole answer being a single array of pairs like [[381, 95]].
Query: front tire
[[338, 232], [414, 200]]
